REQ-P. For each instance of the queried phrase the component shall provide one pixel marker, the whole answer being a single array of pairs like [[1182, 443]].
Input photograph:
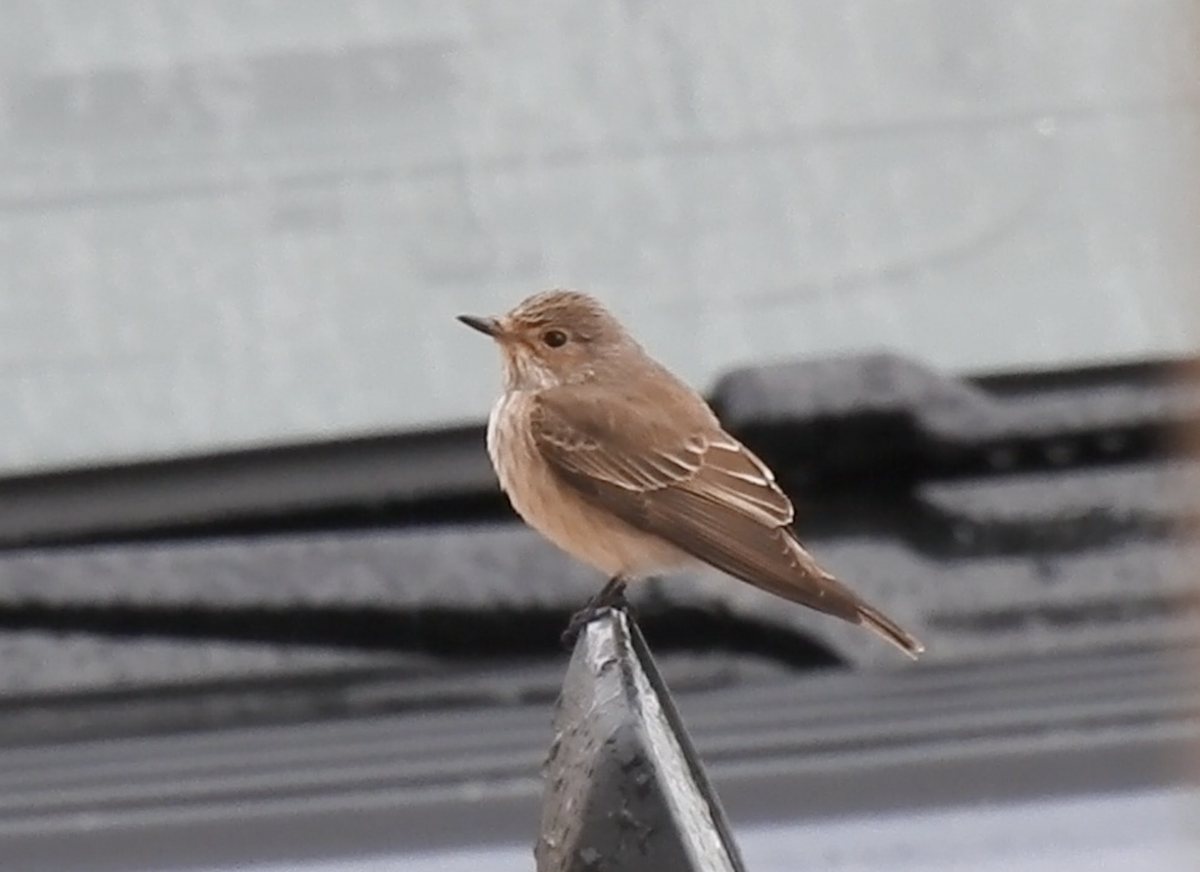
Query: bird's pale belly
[[555, 510]]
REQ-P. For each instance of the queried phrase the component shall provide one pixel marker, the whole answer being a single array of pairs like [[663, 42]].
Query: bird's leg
[[611, 596]]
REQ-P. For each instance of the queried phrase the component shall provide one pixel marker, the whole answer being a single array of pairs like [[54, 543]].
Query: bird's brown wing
[[663, 465]]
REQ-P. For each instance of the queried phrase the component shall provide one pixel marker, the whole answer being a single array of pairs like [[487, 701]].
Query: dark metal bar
[[854, 420], [245, 486]]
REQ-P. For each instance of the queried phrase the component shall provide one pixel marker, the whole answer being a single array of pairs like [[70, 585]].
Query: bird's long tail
[[834, 598], [869, 616]]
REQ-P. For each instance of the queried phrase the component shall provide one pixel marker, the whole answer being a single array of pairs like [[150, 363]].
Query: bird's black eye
[[554, 338]]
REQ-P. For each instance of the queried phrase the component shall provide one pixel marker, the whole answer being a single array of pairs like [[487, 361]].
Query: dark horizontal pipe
[[444, 475]]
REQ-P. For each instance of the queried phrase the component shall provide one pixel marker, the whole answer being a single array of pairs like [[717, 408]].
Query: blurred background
[[260, 601]]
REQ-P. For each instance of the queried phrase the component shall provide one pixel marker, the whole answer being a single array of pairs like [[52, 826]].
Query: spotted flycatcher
[[623, 466]]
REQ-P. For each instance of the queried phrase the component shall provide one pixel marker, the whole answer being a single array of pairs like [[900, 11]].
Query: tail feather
[[837, 599], [869, 616], [818, 589]]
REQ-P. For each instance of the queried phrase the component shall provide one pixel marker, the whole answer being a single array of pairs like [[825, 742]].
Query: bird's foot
[[611, 596]]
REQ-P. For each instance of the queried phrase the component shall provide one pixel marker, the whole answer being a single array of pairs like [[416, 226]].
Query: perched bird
[[623, 466]]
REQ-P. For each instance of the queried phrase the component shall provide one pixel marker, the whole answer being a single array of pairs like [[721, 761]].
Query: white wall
[[226, 223]]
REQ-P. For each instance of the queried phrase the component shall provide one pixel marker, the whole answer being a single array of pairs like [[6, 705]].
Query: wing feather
[[678, 475]]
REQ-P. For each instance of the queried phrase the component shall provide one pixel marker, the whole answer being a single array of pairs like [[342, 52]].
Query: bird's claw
[[612, 596]]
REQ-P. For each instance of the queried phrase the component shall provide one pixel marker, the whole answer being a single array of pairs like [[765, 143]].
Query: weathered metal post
[[625, 790]]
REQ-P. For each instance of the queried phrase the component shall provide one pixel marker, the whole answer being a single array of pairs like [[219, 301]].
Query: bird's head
[[554, 338]]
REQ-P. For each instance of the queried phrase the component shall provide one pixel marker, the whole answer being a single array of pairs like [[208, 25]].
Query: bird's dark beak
[[487, 326]]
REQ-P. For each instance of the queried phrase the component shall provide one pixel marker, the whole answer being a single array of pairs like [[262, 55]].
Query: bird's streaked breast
[[557, 511]]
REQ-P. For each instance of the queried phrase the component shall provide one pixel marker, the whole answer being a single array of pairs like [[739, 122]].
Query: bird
[[622, 465]]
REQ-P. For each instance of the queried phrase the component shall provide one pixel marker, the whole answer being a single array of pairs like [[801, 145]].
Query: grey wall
[[233, 222]]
